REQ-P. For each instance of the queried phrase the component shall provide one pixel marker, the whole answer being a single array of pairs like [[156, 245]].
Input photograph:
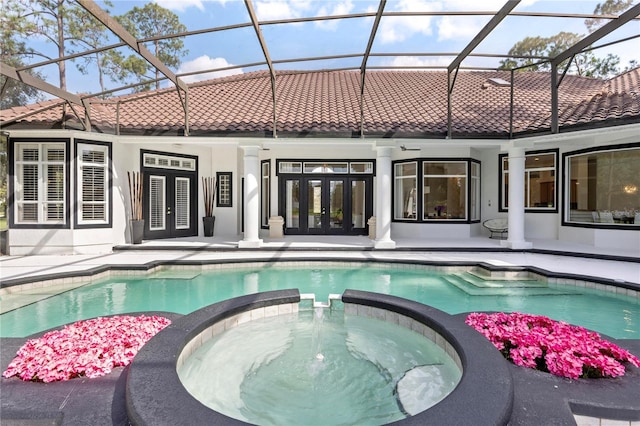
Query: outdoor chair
[[498, 226]]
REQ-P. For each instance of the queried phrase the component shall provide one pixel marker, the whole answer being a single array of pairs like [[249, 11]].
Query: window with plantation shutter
[[182, 203], [40, 183], [93, 184], [157, 203]]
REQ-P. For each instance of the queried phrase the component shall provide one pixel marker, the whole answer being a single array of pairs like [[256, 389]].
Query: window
[[604, 187], [224, 189], [539, 181], [41, 183], [93, 184], [445, 190], [265, 193], [428, 190], [405, 190], [474, 193]]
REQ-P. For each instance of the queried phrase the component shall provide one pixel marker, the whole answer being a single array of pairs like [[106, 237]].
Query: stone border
[[155, 395]]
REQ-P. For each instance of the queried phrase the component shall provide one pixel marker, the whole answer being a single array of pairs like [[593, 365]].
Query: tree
[[151, 21], [585, 63], [13, 92], [88, 33], [609, 7]]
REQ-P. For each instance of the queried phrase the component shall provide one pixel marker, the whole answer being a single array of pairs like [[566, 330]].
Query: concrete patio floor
[[539, 399]]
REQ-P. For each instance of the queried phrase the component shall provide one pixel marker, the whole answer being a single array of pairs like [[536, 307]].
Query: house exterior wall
[[225, 155]]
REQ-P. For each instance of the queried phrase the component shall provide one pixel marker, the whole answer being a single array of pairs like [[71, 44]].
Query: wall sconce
[[630, 189]]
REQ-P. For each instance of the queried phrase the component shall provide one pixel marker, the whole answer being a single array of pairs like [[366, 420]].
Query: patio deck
[[550, 255], [538, 396]]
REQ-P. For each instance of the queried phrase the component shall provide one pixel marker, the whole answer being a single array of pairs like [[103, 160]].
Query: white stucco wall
[[224, 155]]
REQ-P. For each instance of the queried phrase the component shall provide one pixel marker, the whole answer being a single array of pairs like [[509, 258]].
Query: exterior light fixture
[[630, 189]]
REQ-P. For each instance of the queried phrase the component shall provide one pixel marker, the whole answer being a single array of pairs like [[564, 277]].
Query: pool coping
[[484, 395], [99, 272]]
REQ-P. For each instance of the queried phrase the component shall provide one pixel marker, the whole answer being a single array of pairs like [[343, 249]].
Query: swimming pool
[[186, 290]]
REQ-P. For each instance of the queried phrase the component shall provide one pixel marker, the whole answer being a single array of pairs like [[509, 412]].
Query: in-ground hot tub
[[480, 393]]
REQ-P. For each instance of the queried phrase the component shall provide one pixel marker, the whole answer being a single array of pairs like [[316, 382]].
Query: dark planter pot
[[208, 222], [137, 231]]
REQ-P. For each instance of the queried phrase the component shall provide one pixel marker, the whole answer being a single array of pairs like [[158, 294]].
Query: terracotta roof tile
[[395, 103]]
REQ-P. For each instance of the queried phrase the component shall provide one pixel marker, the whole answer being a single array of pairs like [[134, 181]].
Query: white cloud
[[467, 27], [416, 61], [180, 5], [204, 62], [338, 8], [399, 28], [281, 9], [460, 28]]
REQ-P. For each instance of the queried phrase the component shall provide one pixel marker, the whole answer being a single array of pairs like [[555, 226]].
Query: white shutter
[[182, 203], [93, 184], [40, 183], [157, 203]]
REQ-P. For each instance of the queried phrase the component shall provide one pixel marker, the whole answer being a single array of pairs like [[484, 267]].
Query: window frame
[[419, 201], [13, 202], [566, 177], [78, 222], [221, 190], [265, 193], [502, 194], [417, 198]]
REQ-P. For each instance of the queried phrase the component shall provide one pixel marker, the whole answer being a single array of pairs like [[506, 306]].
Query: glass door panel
[[336, 204], [358, 204], [292, 204], [315, 209]]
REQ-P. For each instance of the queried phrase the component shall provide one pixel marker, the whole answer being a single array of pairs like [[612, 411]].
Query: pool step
[[502, 275], [169, 274], [477, 287], [491, 281]]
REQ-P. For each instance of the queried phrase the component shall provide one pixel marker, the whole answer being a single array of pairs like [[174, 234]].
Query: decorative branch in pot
[[209, 188], [135, 195]]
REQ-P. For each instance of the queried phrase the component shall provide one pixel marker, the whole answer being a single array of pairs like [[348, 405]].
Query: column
[[516, 200], [251, 198], [383, 199]]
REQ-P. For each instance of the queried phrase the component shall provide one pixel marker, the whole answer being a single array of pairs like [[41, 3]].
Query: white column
[[516, 200], [383, 199], [251, 198]]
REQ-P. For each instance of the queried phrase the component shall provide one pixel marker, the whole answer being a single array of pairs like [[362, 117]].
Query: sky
[[442, 34]]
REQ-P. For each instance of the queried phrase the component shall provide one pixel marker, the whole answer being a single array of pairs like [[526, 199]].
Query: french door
[[323, 205], [168, 204]]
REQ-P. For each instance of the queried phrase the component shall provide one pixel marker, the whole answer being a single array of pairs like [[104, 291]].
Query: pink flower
[[90, 348], [566, 350]]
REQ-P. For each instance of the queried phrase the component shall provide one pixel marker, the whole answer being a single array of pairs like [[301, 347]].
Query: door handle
[[168, 210], [324, 211]]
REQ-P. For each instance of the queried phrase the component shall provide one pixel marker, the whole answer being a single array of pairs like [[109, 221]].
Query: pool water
[[186, 291], [319, 365]]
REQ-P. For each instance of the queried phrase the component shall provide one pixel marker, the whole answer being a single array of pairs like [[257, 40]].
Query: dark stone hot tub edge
[[156, 396]]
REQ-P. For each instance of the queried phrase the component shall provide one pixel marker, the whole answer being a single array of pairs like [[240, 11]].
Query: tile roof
[[327, 104]]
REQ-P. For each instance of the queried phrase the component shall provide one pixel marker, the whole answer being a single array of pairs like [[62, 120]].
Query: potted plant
[[209, 196], [135, 195]]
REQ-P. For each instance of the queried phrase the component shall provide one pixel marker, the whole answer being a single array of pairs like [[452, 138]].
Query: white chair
[[497, 226]]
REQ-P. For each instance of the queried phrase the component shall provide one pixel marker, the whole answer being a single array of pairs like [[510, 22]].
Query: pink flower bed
[[556, 347], [90, 348]]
